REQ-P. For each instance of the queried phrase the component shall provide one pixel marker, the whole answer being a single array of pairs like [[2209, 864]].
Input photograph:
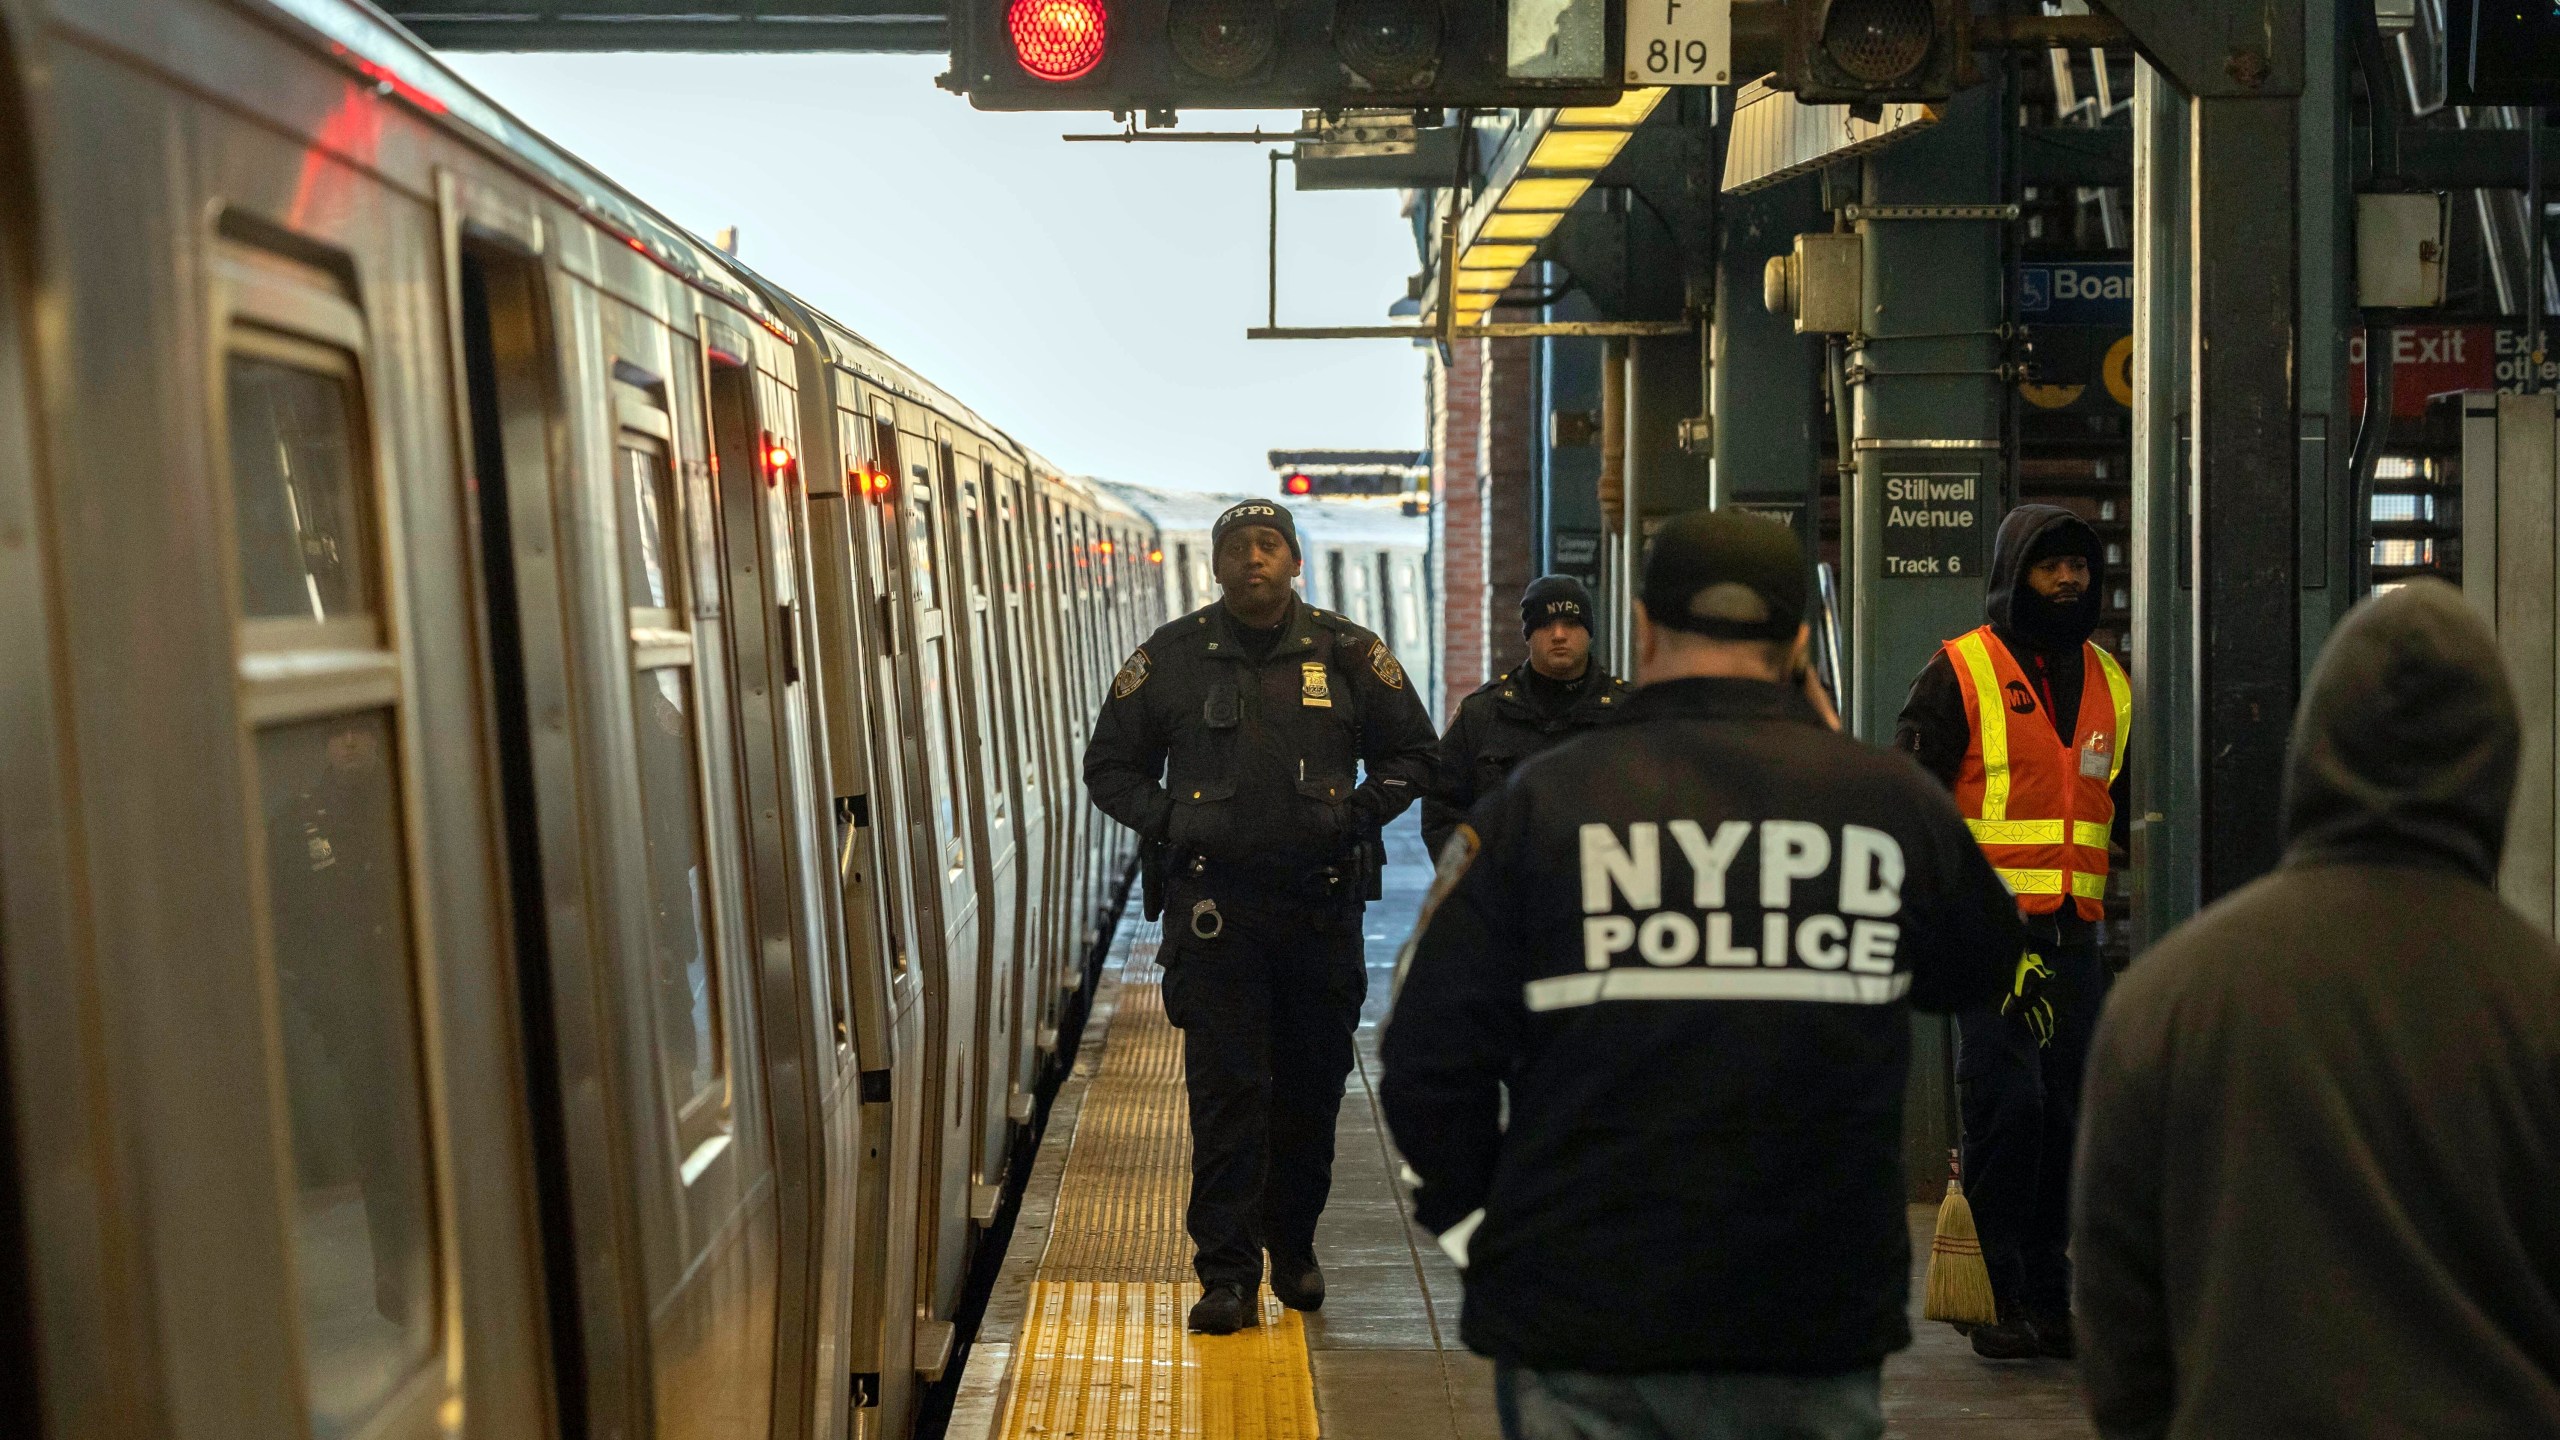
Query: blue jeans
[[1570, 1405]]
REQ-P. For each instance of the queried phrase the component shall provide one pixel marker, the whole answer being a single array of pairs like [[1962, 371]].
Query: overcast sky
[[1090, 299]]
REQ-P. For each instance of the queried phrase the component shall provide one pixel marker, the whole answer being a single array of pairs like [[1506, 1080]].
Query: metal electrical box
[[1822, 284], [2400, 243]]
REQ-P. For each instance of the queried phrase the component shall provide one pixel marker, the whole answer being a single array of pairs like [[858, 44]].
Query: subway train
[[542, 863]]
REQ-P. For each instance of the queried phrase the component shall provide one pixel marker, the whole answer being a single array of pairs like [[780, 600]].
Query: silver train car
[[542, 866]]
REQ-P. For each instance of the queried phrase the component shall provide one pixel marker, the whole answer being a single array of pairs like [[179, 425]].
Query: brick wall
[[1457, 517], [1508, 516]]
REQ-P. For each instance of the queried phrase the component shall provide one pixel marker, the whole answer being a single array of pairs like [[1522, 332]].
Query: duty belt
[[1325, 882]]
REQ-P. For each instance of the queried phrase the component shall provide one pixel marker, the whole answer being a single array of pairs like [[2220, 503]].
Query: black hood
[[2032, 533], [2404, 751]]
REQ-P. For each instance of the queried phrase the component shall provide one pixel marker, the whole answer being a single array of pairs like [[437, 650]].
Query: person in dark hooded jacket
[[1559, 691], [2026, 720], [2320, 1175]]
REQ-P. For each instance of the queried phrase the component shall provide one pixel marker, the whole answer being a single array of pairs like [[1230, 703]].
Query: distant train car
[[540, 844], [1364, 558]]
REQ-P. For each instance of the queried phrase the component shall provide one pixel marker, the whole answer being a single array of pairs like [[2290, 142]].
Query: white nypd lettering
[[1635, 868], [1715, 947]]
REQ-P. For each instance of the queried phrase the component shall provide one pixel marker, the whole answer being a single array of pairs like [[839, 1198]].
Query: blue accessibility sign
[[2077, 292]]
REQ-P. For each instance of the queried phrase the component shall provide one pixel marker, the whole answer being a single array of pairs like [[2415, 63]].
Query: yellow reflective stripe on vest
[[1991, 717], [2088, 886], [2016, 832], [2119, 690], [2090, 833], [2033, 882]]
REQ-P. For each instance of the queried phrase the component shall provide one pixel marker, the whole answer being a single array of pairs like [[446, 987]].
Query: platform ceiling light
[[1545, 192], [1520, 225], [1577, 150], [1627, 114], [1495, 257]]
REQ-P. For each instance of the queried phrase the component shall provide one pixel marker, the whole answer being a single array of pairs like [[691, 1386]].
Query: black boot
[[2056, 1339], [1298, 1281], [2008, 1340], [1225, 1308]]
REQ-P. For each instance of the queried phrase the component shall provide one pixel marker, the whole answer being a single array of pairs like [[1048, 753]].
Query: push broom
[[1958, 1288]]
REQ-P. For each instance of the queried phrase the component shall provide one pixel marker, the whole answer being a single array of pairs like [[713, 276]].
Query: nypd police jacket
[[1249, 762], [1687, 946], [1497, 728]]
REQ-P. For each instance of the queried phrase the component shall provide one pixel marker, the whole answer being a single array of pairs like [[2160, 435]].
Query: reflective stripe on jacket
[[2040, 805]]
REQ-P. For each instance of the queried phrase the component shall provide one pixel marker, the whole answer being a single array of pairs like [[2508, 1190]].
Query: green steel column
[[1928, 475], [1764, 376]]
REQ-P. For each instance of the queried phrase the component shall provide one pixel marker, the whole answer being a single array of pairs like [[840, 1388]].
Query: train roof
[[378, 48]]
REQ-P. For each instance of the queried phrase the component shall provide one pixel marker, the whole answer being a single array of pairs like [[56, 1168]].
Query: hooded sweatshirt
[[2319, 1174], [2046, 639]]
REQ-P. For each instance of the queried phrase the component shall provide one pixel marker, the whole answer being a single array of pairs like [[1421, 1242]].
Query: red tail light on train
[[1057, 40]]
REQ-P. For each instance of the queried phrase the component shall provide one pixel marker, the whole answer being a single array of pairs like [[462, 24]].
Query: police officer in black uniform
[[1650, 1041], [1228, 742], [1558, 691]]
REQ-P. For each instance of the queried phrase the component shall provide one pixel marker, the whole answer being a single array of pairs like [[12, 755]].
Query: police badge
[[1384, 663], [1133, 673], [1311, 688]]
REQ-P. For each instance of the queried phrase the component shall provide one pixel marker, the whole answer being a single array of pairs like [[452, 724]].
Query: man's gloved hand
[[2027, 1003]]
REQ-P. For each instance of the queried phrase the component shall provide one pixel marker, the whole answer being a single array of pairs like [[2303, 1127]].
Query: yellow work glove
[[2027, 1003]]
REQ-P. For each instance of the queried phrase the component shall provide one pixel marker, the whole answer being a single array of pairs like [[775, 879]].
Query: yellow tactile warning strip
[[1104, 1353]]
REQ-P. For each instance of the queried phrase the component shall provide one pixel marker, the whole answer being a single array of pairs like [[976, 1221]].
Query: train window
[[683, 972], [299, 531], [322, 690], [337, 915]]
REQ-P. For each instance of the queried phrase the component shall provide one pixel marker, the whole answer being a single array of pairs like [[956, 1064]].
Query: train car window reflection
[[645, 495], [302, 548], [683, 975], [335, 877], [337, 906]]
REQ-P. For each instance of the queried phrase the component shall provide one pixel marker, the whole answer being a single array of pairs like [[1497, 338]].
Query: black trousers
[[1267, 1010], [2021, 1115]]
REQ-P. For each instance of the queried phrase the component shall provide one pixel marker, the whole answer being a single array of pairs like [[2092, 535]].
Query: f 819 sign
[[1679, 42]]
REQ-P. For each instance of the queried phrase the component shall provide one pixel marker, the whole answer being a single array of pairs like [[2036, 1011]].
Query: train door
[[951, 985], [802, 1021], [1067, 745], [873, 745], [987, 761], [1017, 710], [1053, 785]]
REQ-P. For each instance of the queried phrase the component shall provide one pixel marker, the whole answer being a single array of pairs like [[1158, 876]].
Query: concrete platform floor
[[1384, 1352]]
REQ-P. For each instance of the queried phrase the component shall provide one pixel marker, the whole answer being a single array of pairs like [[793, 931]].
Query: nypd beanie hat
[[1550, 598], [1246, 514], [1728, 574]]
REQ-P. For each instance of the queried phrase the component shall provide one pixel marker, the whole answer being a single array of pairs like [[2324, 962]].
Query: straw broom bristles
[[1958, 1289]]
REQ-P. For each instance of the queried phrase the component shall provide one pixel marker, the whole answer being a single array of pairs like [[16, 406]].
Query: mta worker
[[2025, 720], [2320, 1166], [1229, 742], [1648, 1050], [1558, 691]]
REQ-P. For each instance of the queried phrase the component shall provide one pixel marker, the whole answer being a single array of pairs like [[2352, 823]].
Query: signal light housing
[[1058, 40], [1152, 57], [1869, 52]]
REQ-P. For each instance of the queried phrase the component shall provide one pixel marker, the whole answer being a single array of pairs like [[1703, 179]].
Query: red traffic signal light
[[1298, 485], [1057, 40]]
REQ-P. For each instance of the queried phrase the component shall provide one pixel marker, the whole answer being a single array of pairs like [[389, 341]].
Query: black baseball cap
[[1728, 574], [1550, 598], [1255, 512]]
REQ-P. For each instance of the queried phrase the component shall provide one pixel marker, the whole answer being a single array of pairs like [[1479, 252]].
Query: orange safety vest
[[2039, 806]]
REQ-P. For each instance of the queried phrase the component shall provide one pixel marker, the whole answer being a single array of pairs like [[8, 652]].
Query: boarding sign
[[1679, 42]]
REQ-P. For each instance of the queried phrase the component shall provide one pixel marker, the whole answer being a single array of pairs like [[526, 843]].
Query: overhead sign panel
[[1679, 42]]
